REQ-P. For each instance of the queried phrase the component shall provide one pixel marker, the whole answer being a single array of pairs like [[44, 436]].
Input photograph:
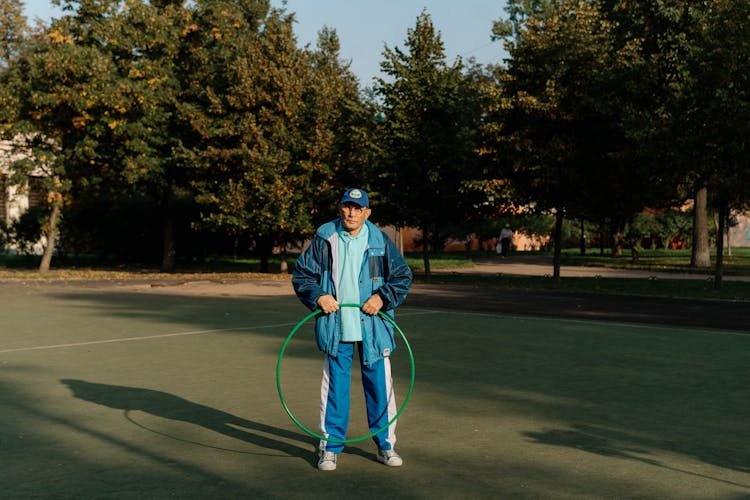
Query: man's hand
[[373, 304], [328, 304]]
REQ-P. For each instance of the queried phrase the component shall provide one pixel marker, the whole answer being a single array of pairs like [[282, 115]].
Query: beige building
[[15, 199], [739, 235], [406, 238]]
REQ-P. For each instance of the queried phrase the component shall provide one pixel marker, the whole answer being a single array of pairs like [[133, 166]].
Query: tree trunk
[[264, 248], [719, 273], [51, 235], [617, 239], [425, 249], [728, 241], [167, 226], [168, 246], [701, 256], [557, 237]]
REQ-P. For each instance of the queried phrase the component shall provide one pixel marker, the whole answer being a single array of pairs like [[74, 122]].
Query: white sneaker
[[327, 461], [390, 458]]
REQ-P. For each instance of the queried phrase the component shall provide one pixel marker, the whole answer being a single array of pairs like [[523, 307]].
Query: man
[[351, 261], [506, 240]]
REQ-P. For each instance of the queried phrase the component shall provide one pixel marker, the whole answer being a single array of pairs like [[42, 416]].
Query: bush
[[3, 235], [26, 232]]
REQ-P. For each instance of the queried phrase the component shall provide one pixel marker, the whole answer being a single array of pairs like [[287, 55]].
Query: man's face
[[353, 217]]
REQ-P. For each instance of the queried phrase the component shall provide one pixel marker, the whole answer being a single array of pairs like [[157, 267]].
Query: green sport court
[[125, 390]]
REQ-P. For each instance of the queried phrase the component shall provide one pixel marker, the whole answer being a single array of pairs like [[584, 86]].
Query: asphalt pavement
[[697, 313]]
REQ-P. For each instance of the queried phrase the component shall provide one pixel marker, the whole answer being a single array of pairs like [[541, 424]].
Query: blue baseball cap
[[355, 195]]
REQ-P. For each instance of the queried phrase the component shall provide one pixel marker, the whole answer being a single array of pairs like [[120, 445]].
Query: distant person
[[350, 260], [506, 240]]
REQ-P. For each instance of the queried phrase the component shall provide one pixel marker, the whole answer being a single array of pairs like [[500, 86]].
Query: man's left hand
[[373, 305]]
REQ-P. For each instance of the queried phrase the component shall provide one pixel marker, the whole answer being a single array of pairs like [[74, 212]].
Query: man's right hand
[[328, 304]]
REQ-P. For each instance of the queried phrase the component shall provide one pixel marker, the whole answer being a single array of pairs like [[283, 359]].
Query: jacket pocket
[[375, 266], [325, 328], [383, 341], [377, 272]]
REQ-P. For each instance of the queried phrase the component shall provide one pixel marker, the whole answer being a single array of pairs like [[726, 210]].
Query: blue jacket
[[384, 271]]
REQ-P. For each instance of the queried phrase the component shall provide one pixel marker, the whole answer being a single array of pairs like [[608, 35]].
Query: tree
[[13, 30], [658, 121], [107, 95], [562, 99], [270, 135], [16, 40], [429, 139], [709, 111], [91, 103], [700, 255], [723, 69], [163, 101], [40, 87]]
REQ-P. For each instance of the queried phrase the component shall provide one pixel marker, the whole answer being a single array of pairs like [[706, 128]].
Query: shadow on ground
[[169, 406], [608, 443], [620, 308]]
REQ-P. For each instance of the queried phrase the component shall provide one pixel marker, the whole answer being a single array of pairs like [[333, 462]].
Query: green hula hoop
[[330, 439]]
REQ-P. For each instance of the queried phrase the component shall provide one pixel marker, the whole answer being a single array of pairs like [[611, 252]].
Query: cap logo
[[355, 193]]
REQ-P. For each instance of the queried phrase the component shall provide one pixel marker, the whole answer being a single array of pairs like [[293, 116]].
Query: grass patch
[[454, 260], [677, 261]]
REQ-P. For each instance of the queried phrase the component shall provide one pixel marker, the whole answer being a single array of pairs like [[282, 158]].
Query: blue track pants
[[335, 389]]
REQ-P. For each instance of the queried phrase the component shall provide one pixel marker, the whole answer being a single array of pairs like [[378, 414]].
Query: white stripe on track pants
[[380, 399]]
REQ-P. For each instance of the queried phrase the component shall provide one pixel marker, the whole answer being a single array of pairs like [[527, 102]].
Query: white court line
[[162, 336], [403, 314], [147, 337]]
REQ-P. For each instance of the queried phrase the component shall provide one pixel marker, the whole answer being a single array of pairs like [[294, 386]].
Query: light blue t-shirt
[[351, 252]]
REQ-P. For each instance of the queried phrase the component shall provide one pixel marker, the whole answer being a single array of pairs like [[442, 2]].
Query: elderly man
[[350, 260]]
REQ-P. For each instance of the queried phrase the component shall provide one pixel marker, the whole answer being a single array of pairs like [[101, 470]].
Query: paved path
[[535, 265]]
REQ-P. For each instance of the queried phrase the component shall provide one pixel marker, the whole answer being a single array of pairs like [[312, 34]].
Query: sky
[[364, 27]]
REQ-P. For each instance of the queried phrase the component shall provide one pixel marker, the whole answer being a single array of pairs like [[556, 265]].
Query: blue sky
[[365, 26]]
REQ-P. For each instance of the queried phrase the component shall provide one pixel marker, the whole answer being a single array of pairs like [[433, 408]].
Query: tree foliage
[[13, 30], [562, 95], [430, 136], [210, 100], [209, 114], [271, 142], [701, 121]]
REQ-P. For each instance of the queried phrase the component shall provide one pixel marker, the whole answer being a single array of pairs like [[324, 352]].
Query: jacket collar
[[374, 239]]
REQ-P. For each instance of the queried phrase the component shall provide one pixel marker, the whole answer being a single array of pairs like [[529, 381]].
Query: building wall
[[3, 198], [17, 199], [739, 235], [409, 236]]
